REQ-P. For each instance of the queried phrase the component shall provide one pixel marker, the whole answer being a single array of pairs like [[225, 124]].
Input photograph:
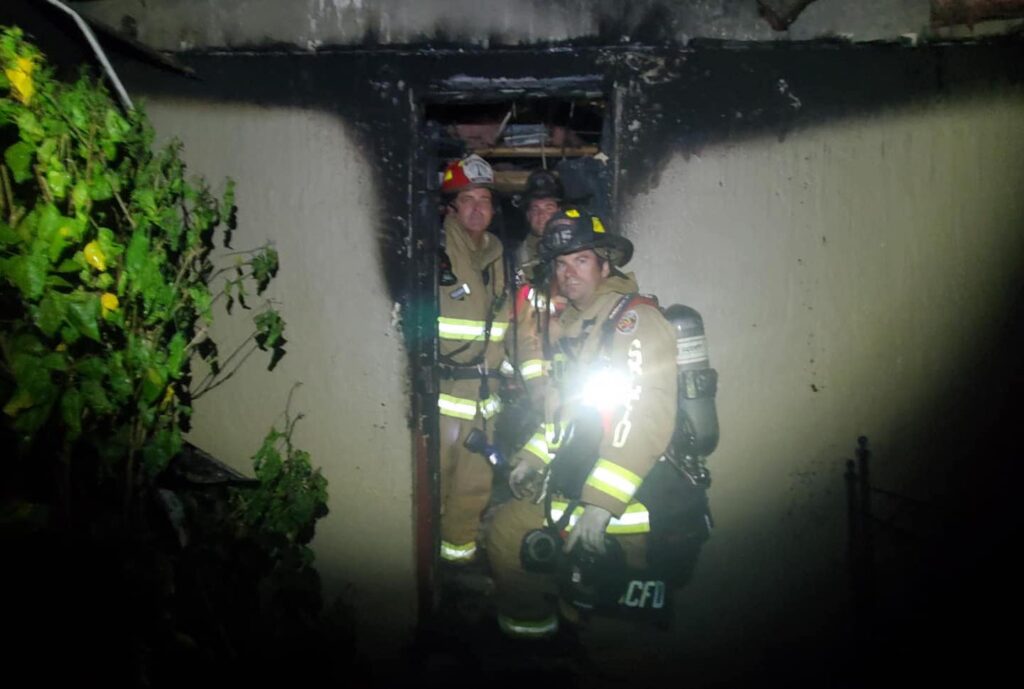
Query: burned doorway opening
[[518, 126]]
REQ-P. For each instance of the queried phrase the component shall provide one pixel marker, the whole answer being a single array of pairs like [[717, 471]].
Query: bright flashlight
[[606, 390]]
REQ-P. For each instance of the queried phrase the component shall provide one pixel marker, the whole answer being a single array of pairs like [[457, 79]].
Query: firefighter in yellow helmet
[[472, 325], [609, 415]]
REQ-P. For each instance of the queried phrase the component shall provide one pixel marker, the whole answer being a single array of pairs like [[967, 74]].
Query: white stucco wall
[[302, 183], [868, 258], [865, 257]]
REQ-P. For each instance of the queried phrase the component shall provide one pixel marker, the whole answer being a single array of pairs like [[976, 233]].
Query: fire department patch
[[627, 324]]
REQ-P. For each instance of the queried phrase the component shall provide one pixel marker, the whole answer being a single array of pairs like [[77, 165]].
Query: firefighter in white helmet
[[614, 362], [474, 304]]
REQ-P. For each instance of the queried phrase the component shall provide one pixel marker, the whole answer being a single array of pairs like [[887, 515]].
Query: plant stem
[[43, 186], [124, 209]]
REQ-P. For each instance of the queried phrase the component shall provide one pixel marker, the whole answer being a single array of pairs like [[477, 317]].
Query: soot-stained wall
[[314, 24], [846, 218]]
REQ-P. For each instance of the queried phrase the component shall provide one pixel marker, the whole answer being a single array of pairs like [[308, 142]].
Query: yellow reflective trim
[[458, 407], [532, 629], [572, 213], [534, 368], [498, 331], [635, 519], [460, 329], [463, 329], [457, 553], [597, 224], [463, 408], [614, 480], [538, 447]]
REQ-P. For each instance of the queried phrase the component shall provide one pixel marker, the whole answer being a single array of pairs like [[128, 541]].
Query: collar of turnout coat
[[614, 284], [458, 239]]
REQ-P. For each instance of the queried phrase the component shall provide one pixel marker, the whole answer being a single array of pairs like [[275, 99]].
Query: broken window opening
[[518, 136]]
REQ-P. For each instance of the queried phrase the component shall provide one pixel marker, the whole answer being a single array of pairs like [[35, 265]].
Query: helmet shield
[[469, 173]]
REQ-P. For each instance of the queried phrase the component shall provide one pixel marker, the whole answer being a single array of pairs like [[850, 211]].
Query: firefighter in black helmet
[[615, 362], [543, 198]]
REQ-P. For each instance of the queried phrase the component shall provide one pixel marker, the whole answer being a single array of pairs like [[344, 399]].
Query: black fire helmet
[[573, 229]]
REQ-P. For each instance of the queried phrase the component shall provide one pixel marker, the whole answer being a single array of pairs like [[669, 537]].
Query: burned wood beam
[[970, 12], [781, 13]]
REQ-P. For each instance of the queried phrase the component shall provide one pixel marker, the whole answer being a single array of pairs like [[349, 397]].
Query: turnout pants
[[465, 476], [527, 601]]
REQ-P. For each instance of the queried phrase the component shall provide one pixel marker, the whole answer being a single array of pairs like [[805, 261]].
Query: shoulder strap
[[626, 302]]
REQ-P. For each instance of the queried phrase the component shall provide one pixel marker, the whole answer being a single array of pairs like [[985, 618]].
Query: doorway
[[518, 126]]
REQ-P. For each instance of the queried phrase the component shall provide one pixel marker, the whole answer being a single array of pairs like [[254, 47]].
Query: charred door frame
[[422, 242]]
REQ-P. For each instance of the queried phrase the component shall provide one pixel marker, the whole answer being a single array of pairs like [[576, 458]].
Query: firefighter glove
[[522, 479], [589, 530]]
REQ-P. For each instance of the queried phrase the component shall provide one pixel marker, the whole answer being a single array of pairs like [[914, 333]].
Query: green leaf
[[269, 328], [153, 384], [146, 200], [50, 314], [19, 160], [29, 126], [100, 188], [55, 361], [120, 384], [57, 178], [116, 125], [72, 265], [56, 248], [136, 258], [112, 250], [27, 273], [176, 355], [96, 397], [69, 335], [48, 221], [71, 411], [202, 300], [80, 195], [8, 235], [83, 313], [264, 267], [161, 449], [33, 377], [31, 420]]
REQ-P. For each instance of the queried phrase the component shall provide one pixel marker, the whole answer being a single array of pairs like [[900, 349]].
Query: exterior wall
[[310, 24], [302, 183], [846, 275], [852, 258]]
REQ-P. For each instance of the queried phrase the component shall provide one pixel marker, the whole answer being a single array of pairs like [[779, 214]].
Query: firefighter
[[472, 323], [543, 198], [614, 360]]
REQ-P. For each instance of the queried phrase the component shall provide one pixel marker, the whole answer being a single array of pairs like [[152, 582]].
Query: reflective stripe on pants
[[528, 629]]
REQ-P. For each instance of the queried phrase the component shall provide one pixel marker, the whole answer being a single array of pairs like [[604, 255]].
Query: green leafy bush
[[108, 282], [105, 252]]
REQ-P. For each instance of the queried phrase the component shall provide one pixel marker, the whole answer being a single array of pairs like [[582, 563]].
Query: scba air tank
[[696, 433]]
